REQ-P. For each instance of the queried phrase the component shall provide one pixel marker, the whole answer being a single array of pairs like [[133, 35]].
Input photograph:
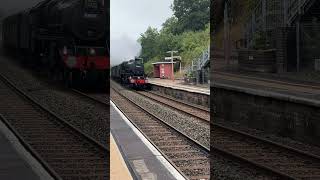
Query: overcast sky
[[130, 18]]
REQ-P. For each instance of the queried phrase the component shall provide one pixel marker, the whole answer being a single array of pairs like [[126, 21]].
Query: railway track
[[100, 98], [290, 162], [285, 161], [188, 156], [63, 150], [189, 109], [280, 160]]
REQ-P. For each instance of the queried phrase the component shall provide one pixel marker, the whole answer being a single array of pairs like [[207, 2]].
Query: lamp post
[[172, 72]]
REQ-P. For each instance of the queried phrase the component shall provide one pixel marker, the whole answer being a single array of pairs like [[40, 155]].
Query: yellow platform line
[[118, 168]]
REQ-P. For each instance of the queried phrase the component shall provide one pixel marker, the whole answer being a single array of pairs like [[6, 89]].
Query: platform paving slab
[[118, 167], [178, 84], [13, 163], [287, 93], [142, 162]]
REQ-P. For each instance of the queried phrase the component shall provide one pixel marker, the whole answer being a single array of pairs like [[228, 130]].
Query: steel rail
[[221, 150], [159, 119], [55, 117], [88, 96], [256, 138], [195, 142], [177, 109]]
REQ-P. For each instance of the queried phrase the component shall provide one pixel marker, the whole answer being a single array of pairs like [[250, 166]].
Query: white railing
[[199, 63], [284, 12]]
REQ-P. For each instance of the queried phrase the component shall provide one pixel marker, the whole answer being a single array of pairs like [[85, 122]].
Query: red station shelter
[[162, 70]]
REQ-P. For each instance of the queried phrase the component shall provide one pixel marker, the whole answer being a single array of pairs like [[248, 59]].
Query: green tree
[[148, 41], [170, 25], [167, 42], [189, 44], [192, 15], [187, 31], [193, 44], [156, 44]]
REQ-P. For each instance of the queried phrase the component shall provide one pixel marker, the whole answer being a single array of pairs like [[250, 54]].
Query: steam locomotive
[[69, 37], [130, 73]]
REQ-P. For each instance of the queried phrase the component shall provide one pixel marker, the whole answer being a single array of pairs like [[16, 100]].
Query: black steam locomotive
[[130, 73], [69, 37]]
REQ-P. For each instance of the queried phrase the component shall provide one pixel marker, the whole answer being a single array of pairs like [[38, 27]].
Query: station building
[[163, 70]]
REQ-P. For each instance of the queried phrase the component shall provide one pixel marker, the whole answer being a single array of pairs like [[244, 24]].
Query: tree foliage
[[192, 15], [190, 45], [170, 25], [187, 31], [148, 40]]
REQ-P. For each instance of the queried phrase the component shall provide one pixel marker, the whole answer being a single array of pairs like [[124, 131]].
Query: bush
[[189, 44]]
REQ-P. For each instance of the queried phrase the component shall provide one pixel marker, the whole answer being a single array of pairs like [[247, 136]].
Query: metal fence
[[270, 14], [199, 63], [198, 69], [267, 15]]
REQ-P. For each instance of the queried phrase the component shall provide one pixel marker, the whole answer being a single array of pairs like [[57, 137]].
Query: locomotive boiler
[[130, 73], [69, 37]]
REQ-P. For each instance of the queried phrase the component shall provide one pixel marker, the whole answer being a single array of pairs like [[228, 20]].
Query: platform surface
[[142, 162], [12, 165], [270, 88], [118, 168], [179, 84]]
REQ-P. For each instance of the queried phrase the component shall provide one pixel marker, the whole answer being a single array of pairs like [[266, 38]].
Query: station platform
[[142, 159], [16, 162], [266, 87], [180, 85], [118, 168]]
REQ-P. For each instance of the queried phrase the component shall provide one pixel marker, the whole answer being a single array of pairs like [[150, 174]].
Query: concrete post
[[172, 75]]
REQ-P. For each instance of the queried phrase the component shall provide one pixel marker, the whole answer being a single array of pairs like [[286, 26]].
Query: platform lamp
[[172, 68]]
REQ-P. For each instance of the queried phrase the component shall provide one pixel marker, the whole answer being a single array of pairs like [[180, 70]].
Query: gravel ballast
[[80, 112], [192, 127]]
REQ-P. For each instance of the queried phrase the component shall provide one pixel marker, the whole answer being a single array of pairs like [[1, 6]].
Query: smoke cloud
[[131, 18], [123, 48]]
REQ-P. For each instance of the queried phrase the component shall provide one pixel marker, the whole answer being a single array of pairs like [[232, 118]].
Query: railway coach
[[131, 73], [67, 37]]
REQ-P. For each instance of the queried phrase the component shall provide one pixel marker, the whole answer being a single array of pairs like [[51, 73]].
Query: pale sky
[[130, 18]]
